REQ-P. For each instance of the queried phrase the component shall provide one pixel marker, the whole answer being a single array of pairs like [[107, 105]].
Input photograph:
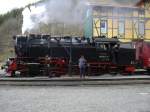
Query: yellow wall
[[147, 24], [96, 25], [131, 30]]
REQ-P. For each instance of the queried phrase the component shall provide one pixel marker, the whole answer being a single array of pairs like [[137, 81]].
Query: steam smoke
[[58, 16], [66, 12]]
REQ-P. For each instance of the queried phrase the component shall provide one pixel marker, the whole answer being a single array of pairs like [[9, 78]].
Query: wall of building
[[147, 22], [127, 23]]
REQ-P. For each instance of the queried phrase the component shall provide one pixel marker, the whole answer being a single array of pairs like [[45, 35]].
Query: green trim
[[88, 25]]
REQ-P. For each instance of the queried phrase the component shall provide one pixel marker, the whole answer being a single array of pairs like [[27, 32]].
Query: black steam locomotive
[[46, 55]]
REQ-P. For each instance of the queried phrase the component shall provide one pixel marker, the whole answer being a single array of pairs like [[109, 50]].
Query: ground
[[121, 98]]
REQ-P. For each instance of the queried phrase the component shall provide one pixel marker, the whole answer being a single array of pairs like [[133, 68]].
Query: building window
[[121, 28], [103, 26], [141, 28]]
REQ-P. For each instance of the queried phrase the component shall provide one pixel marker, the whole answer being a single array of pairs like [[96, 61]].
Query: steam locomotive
[[44, 55]]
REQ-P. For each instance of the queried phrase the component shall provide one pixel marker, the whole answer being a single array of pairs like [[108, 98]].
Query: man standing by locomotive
[[82, 66]]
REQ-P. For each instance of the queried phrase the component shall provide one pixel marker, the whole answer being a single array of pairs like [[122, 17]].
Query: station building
[[126, 22]]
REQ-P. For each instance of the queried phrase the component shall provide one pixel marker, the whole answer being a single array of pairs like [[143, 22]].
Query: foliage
[[12, 14], [10, 24]]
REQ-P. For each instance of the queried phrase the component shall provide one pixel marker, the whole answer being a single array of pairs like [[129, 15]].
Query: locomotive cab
[[107, 49]]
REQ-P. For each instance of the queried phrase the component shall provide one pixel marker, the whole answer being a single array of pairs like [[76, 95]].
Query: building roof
[[140, 3], [96, 6], [126, 3]]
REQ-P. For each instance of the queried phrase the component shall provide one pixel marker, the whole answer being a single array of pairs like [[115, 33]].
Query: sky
[[8, 5]]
